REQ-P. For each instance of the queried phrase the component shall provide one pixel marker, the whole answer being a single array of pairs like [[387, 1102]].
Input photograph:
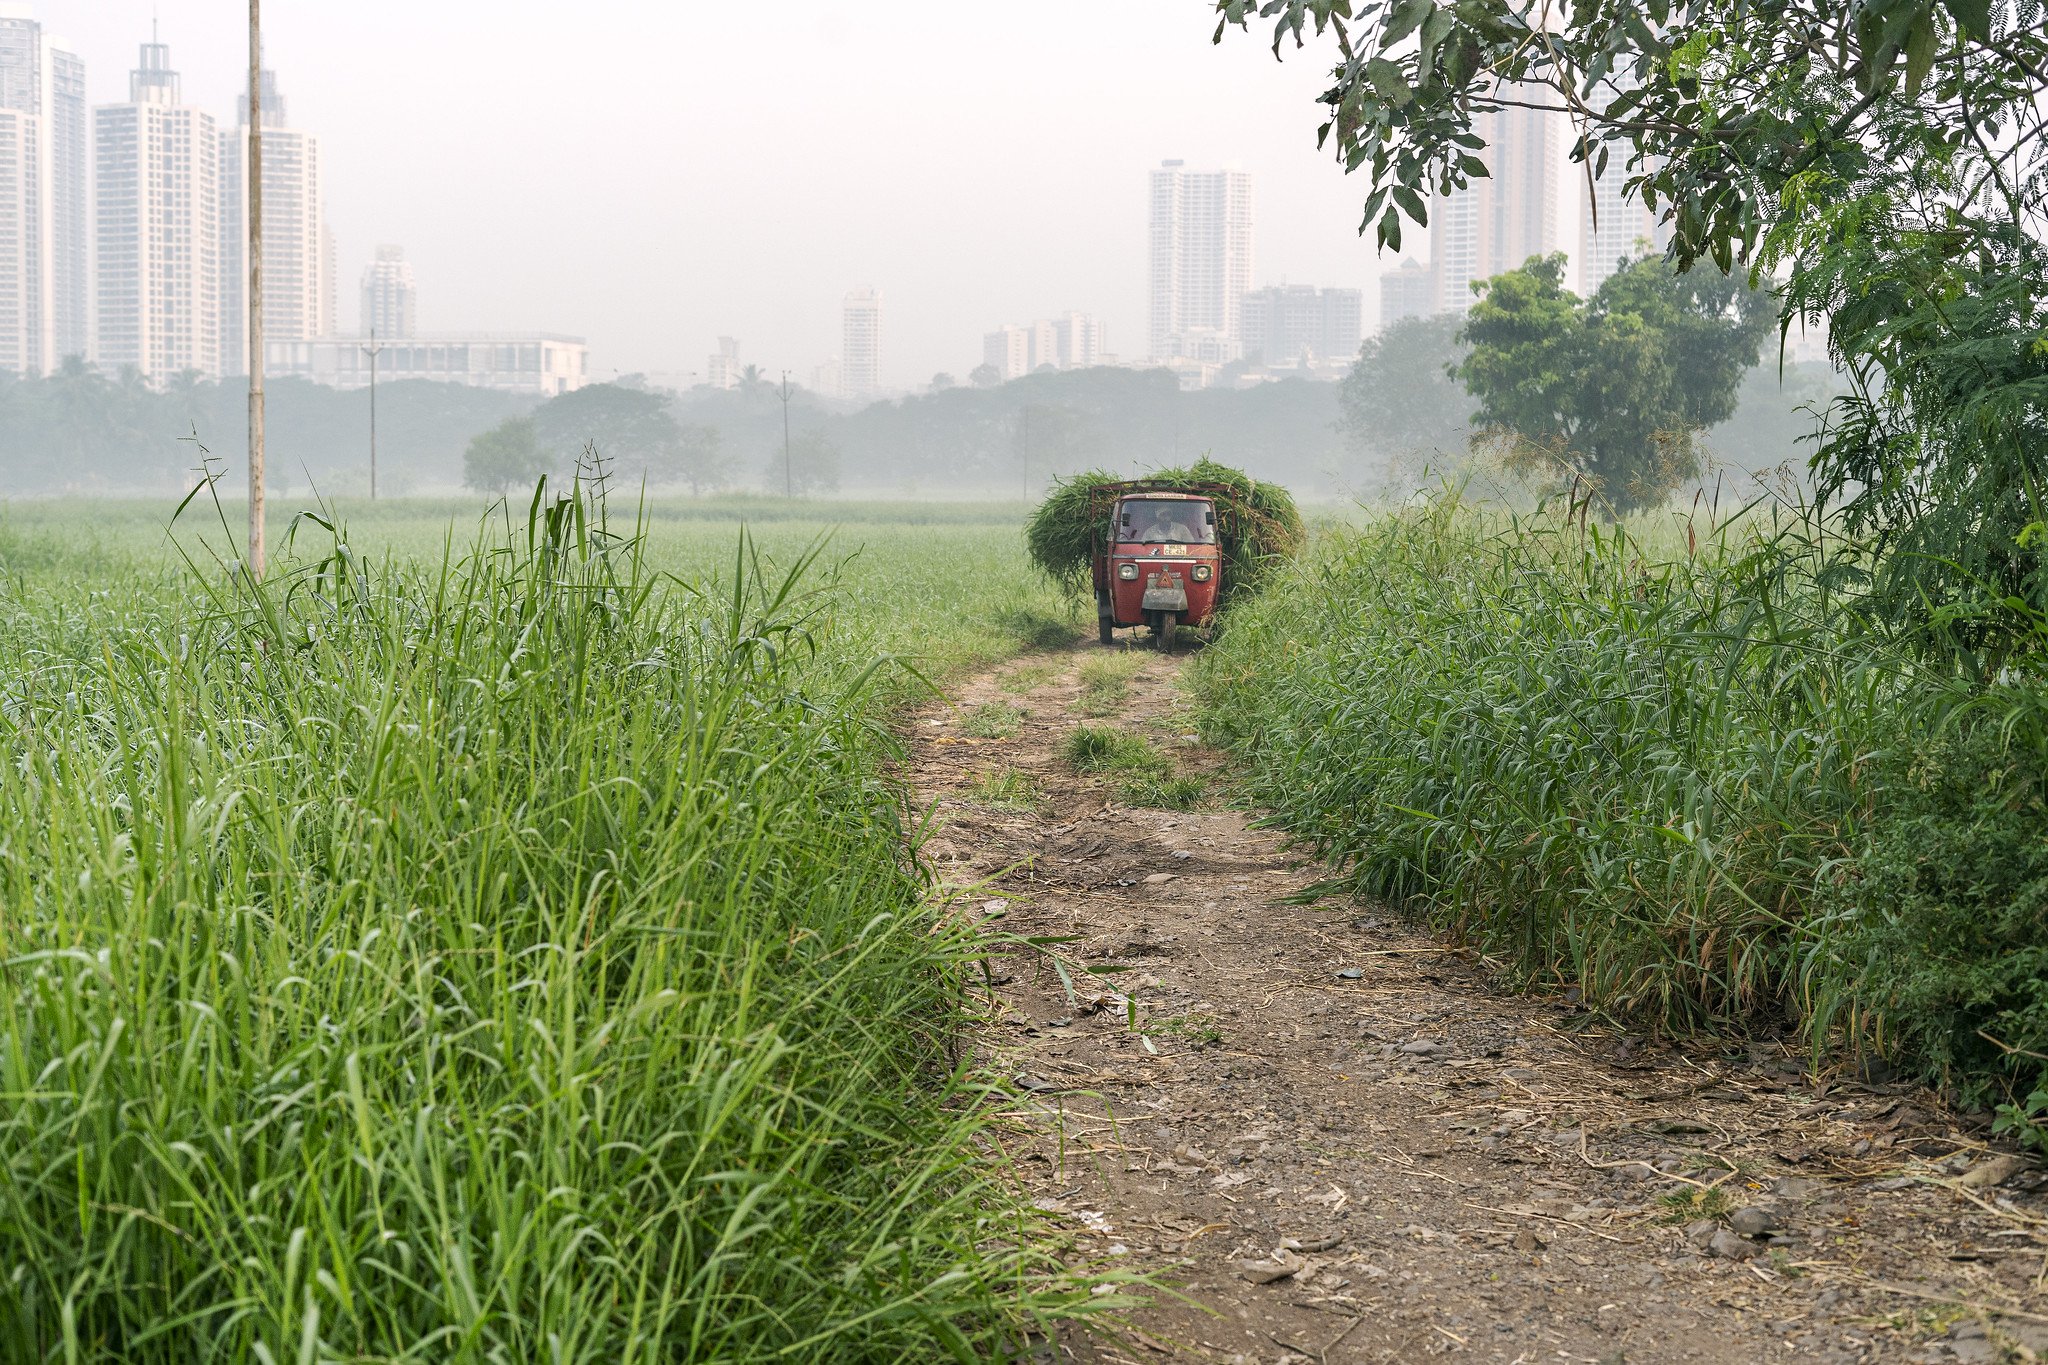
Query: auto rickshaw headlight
[[1202, 573], [1127, 572]]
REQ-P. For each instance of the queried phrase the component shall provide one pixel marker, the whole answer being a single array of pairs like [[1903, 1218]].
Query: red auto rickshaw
[[1158, 564]]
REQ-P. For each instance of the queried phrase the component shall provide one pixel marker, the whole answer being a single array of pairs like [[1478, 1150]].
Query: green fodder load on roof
[[1256, 524]]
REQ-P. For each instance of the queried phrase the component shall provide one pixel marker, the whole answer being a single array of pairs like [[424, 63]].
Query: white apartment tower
[[1078, 338], [860, 324], [43, 280], [723, 370], [390, 296], [1201, 258], [1007, 350], [157, 220], [70, 203], [1497, 222], [296, 287], [1614, 225]]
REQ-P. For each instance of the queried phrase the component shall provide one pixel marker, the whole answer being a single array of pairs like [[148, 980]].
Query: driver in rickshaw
[[1166, 525]]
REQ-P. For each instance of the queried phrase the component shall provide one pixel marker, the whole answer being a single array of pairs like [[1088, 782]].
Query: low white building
[[539, 363]]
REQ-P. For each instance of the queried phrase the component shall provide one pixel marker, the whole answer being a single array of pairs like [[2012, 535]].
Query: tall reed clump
[[511, 959], [1675, 779]]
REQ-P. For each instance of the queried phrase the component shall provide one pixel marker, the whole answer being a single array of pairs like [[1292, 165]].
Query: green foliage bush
[[1257, 525], [1676, 782], [1946, 917]]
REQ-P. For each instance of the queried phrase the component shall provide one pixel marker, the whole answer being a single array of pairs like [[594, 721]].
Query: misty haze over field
[[940, 225]]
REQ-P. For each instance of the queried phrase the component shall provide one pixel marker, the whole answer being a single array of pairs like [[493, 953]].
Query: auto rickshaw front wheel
[[1169, 626]]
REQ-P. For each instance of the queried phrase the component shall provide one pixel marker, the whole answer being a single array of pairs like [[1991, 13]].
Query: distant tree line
[[82, 431], [1400, 412]]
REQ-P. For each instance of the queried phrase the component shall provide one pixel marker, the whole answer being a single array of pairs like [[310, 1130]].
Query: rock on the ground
[[1753, 1222]]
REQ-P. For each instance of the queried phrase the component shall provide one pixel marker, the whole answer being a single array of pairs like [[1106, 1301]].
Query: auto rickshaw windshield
[[1167, 521]]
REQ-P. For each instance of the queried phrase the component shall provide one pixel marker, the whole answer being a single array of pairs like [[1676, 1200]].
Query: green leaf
[[1973, 17], [1411, 204], [1388, 81], [1408, 16], [1434, 29], [1921, 49]]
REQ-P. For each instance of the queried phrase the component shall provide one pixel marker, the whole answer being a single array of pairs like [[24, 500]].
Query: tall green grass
[[515, 956], [1669, 773]]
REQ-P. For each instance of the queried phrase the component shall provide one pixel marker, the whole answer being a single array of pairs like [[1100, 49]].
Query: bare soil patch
[[1344, 1142]]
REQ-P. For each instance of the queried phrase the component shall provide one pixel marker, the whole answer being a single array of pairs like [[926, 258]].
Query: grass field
[[495, 941]]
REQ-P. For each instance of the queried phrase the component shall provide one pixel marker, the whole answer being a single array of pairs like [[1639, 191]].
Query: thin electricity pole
[[373, 350], [256, 288], [1024, 451], [788, 476]]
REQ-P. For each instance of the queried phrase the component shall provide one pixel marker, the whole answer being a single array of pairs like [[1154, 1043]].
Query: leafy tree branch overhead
[[1717, 107], [1879, 161]]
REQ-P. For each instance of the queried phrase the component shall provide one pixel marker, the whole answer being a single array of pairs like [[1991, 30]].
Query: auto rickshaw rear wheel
[[1105, 622]]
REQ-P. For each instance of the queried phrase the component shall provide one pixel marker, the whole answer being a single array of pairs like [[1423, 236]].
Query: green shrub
[[1947, 919]]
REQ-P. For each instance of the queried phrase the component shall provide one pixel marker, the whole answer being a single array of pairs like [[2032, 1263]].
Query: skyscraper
[[1612, 226], [860, 325], [1409, 291], [156, 212], [25, 316], [723, 370], [1201, 243], [1007, 350], [36, 189], [295, 262], [1295, 323], [1497, 222], [70, 203], [390, 297], [1080, 340]]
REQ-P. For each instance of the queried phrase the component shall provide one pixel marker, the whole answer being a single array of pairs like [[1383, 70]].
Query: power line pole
[[256, 288], [373, 350], [788, 475]]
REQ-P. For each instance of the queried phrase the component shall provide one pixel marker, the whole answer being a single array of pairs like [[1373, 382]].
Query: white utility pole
[[373, 350], [256, 288]]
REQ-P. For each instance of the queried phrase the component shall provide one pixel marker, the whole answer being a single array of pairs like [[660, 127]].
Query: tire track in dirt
[[1345, 1143]]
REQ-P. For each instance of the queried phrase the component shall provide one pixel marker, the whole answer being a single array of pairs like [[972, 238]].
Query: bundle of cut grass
[[1257, 524]]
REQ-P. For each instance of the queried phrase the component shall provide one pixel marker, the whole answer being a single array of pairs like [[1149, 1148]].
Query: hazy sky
[[652, 175]]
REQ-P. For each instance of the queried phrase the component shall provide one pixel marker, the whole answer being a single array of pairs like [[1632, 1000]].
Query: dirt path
[[1348, 1145]]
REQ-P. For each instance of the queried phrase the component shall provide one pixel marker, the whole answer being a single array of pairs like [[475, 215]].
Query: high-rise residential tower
[[42, 186], [156, 214], [860, 325], [390, 296], [296, 289], [1614, 225], [723, 370], [1407, 291], [1499, 221], [1291, 324], [1201, 249], [70, 122], [1079, 338]]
